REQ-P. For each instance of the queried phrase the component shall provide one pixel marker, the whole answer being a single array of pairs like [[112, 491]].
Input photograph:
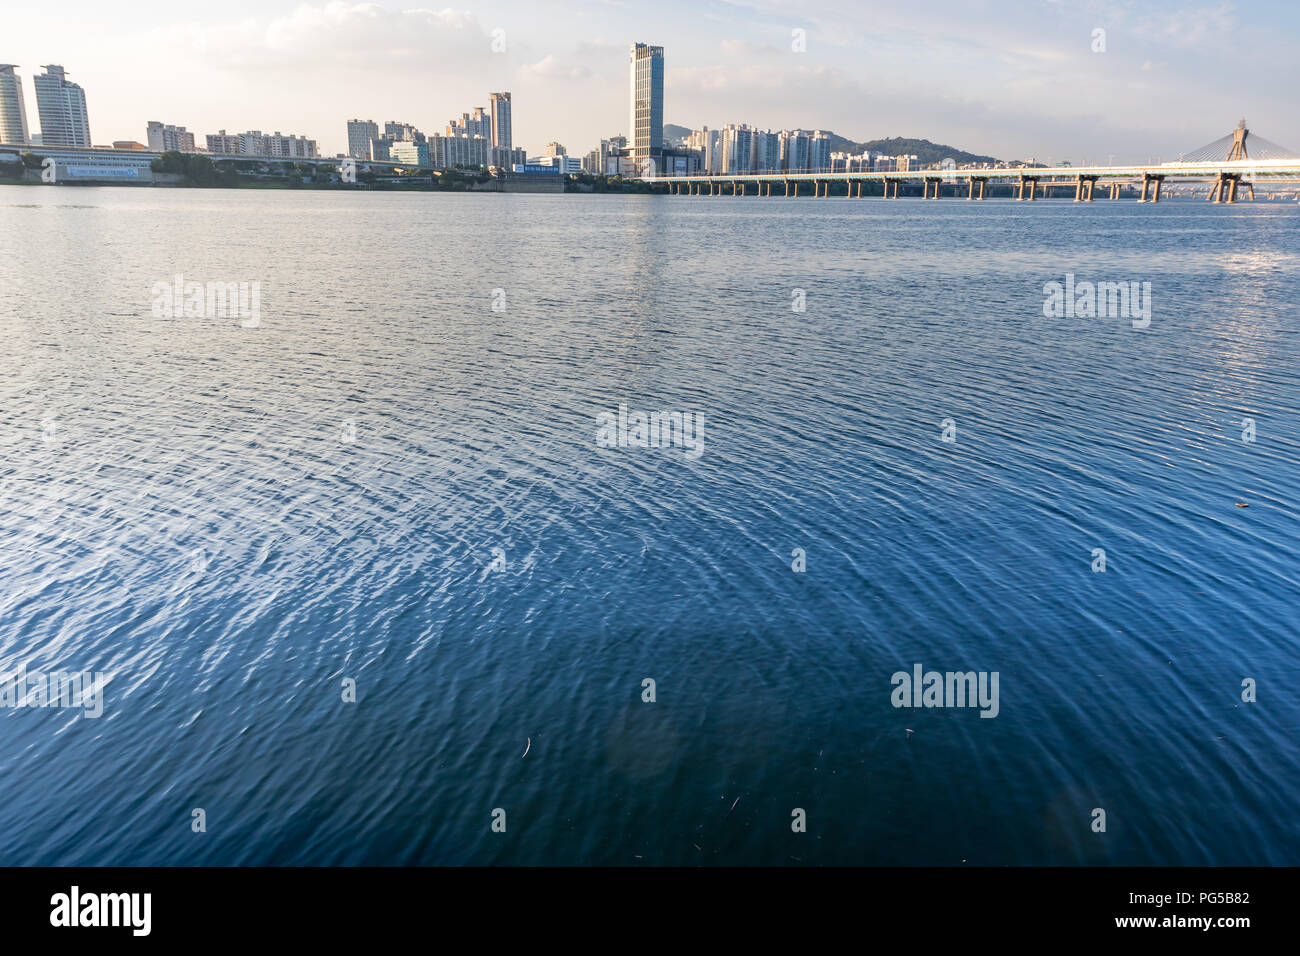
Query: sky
[[1011, 79]]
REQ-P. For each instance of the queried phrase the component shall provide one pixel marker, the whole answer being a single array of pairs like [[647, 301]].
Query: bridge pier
[[1020, 192], [1225, 188], [787, 187], [1033, 188], [1149, 179]]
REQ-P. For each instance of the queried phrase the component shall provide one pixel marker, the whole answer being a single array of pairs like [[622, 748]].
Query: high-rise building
[[708, 143], [223, 143], [257, 143], [174, 138], [477, 123], [554, 149], [402, 132], [767, 152], [646, 116], [62, 108], [459, 149], [737, 148], [360, 133], [501, 135], [411, 152], [13, 114], [819, 151]]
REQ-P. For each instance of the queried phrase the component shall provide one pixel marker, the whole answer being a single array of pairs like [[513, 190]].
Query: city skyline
[[310, 67]]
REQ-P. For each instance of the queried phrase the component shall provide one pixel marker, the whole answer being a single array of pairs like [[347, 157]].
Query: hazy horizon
[[1010, 80]]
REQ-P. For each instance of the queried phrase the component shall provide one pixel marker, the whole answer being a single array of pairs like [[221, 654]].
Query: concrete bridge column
[[1155, 193], [983, 183], [1020, 193], [796, 189], [970, 189], [787, 186], [1146, 182], [1078, 189], [1033, 188]]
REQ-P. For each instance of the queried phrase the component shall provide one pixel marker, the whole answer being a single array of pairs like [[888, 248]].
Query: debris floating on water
[[526, 749]]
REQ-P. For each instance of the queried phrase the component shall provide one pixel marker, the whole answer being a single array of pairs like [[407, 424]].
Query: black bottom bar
[[333, 906]]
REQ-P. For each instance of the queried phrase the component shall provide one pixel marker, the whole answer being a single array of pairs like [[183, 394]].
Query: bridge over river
[[1244, 162]]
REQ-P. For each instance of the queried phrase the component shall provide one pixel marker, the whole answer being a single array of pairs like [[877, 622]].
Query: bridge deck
[[1256, 169]]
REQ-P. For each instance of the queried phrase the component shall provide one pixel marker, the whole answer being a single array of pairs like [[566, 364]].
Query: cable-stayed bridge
[[1228, 164]]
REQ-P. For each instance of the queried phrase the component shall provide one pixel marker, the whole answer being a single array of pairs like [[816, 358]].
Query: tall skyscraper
[[62, 108], [500, 105], [360, 133], [646, 119], [13, 114]]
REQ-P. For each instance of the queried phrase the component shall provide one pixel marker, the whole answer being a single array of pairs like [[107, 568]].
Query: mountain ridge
[[924, 150]]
